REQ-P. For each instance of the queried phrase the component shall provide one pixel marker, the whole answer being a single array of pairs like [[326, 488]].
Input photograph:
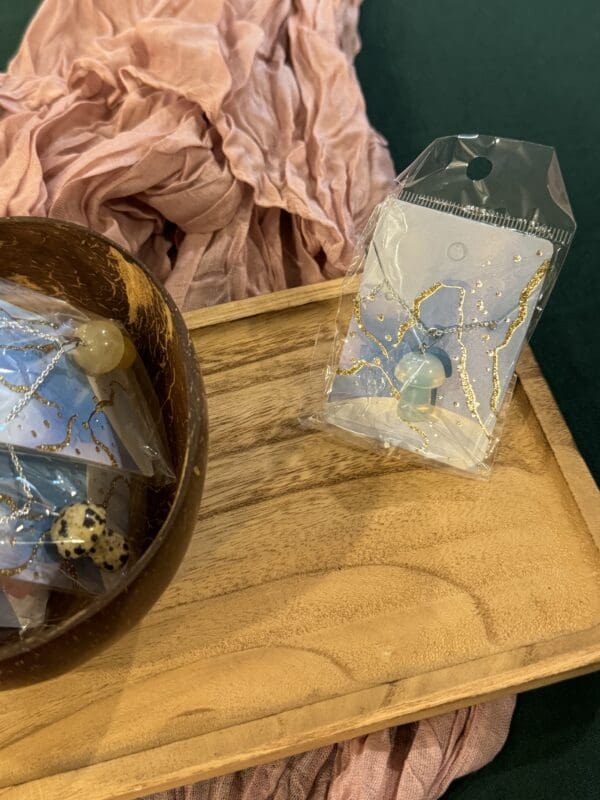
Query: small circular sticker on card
[[457, 251]]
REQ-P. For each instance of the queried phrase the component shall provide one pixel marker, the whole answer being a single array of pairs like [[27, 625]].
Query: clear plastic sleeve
[[81, 441], [89, 407], [64, 526], [455, 269]]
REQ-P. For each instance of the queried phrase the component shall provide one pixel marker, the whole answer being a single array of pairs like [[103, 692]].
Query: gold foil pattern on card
[[463, 371], [361, 326], [414, 317], [20, 388], [529, 289], [55, 448], [361, 364], [9, 572]]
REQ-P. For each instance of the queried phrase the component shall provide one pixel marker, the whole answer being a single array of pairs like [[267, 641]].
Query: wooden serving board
[[328, 591]]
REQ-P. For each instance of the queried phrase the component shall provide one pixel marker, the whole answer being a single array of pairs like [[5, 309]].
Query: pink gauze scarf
[[413, 762], [224, 143]]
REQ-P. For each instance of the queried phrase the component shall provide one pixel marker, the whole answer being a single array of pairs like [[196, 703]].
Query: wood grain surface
[[327, 591]]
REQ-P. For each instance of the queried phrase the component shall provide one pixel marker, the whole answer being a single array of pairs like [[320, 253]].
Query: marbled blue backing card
[[53, 485], [426, 270], [100, 420]]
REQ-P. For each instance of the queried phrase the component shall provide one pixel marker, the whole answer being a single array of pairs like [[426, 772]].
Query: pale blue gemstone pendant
[[419, 374]]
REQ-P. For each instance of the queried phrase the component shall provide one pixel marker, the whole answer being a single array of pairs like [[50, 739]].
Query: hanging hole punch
[[479, 168]]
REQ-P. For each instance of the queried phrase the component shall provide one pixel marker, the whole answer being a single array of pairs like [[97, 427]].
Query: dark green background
[[528, 69]]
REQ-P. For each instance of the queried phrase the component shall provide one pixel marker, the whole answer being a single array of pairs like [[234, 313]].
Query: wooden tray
[[328, 592]]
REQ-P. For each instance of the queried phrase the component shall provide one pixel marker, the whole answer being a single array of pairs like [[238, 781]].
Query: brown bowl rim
[[196, 432]]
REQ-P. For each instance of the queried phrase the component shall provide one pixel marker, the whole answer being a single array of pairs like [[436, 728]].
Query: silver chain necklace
[[436, 332], [62, 345]]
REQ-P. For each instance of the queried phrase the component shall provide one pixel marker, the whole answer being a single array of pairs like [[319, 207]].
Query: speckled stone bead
[[101, 347], [78, 529], [112, 552]]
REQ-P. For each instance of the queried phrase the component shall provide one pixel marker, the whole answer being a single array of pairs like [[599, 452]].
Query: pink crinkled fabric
[[224, 142], [412, 762]]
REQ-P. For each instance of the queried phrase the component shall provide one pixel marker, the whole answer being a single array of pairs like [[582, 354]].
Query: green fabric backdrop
[[529, 70]]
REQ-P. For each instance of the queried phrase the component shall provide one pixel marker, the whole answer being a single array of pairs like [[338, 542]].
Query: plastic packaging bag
[[64, 526], [456, 268], [22, 606], [80, 442], [85, 413]]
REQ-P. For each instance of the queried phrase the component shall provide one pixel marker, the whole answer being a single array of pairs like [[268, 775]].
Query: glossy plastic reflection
[[71, 262]]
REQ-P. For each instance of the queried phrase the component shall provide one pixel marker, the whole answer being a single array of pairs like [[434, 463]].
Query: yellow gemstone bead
[[101, 346], [129, 354]]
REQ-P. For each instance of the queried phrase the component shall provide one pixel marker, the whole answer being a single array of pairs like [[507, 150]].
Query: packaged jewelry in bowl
[[80, 443], [455, 269]]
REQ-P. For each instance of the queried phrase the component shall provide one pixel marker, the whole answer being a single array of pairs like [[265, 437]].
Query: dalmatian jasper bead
[[112, 551], [78, 529]]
